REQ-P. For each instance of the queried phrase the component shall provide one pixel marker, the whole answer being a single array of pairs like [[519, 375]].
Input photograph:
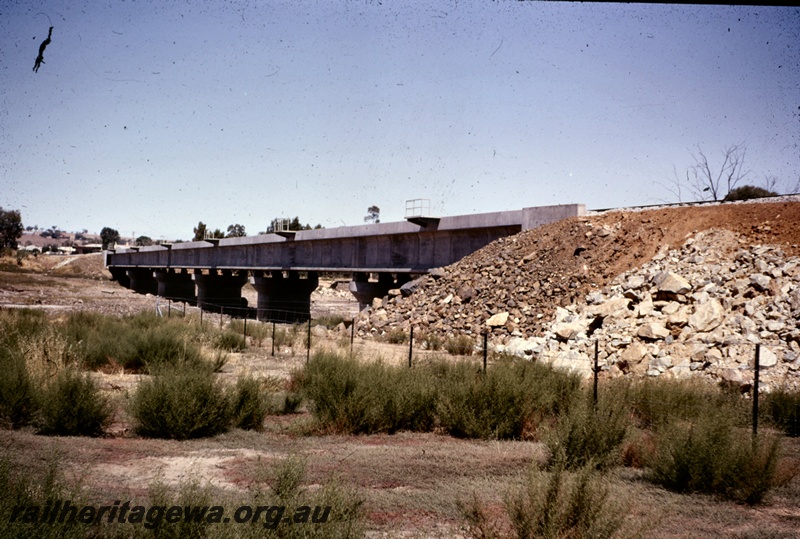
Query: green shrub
[[257, 331], [331, 321], [231, 341], [285, 337], [344, 519], [351, 397], [656, 401], [181, 402], [72, 405], [510, 398], [711, 455], [395, 336], [23, 484], [430, 341], [554, 505], [782, 409], [461, 345], [17, 393], [140, 342], [250, 405], [587, 435]]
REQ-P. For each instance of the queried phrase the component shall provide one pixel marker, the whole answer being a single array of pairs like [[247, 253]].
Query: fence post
[[169, 308], [595, 372], [410, 346], [755, 391], [308, 349], [352, 334], [485, 349], [221, 313], [201, 317], [273, 338], [184, 309]]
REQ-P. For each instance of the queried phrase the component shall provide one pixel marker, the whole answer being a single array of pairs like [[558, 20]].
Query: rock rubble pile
[[698, 310]]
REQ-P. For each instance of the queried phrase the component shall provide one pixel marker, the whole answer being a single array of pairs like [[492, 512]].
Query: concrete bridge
[[284, 267]]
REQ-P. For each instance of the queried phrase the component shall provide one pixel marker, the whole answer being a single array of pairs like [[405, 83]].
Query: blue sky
[[150, 116]]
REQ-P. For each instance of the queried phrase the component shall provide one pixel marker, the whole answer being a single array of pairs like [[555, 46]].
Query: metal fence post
[[273, 338], [221, 313], [308, 349], [485, 349], [169, 308], [410, 346], [352, 334], [755, 391], [595, 371]]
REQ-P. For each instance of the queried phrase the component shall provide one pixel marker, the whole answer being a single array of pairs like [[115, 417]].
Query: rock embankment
[[680, 291], [697, 310]]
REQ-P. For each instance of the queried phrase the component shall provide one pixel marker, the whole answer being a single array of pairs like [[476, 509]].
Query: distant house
[[88, 248]]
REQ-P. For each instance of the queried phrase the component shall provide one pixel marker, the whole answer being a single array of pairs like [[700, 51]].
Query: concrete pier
[[175, 285], [284, 298], [220, 289], [120, 275], [142, 281], [365, 290]]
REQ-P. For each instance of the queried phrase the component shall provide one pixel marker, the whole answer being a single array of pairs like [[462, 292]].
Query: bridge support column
[[220, 289], [120, 275], [365, 290], [175, 285], [284, 299], [142, 281]]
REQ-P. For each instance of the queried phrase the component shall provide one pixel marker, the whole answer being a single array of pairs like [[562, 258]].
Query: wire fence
[[254, 322]]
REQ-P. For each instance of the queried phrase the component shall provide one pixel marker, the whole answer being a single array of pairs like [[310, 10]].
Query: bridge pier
[[120, 275], [220, 289], [284, 299], [142, 281], [365, 290], [175, 285]]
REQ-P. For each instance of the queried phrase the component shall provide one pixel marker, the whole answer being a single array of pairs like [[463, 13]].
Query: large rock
[[672, 283], [653, 331], [568, 331], [497, 320], [707, 316], [611, 307], [767, 358]]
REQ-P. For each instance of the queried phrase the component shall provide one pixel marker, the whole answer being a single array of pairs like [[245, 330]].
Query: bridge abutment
[[366, 291], [282, 298], [220, 289], [175, 285], [142, 281]]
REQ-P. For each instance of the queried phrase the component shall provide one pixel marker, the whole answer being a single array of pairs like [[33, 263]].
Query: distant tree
[[144, 241], [236, 231], [199, 232], [747, 192], [373, 215], [709, 181], [10, 228], [108, 236], [217, 234]]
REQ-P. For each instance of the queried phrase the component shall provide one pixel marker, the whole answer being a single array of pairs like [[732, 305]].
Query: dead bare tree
[[708, 182]]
